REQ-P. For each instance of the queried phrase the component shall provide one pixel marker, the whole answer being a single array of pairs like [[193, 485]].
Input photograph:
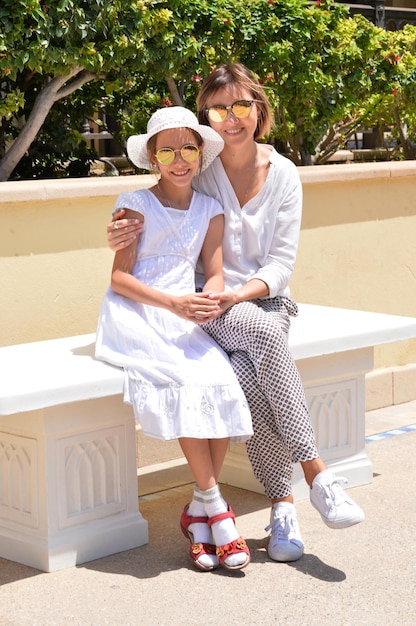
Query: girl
[[180, 383]]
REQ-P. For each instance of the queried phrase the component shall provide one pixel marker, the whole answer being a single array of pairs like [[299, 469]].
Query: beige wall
[[358, 243], [357, 249], [54, 261]]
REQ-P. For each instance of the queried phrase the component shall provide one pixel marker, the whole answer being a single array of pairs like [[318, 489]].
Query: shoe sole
[[286, 559], [342, 524], [235, 568], [203, 568]]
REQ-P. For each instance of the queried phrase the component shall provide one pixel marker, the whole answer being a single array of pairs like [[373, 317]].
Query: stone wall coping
[[50, 189], [30, 190], [319, 174]]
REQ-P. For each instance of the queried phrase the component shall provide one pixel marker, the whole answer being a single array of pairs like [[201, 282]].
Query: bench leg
[[68, 484], [335, 391]]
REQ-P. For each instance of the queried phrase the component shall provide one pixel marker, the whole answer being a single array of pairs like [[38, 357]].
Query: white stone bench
[[68, 477]]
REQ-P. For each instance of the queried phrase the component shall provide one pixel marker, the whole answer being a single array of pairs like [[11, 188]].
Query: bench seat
[[68, 476]]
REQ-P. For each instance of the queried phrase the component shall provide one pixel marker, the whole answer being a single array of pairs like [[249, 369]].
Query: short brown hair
[[236, 74]]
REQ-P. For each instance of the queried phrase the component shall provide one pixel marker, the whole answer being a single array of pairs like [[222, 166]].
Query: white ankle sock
[[197, 505], [225, 530], [201, 531]]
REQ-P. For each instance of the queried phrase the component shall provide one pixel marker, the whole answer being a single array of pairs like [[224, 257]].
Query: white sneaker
[[285, 541], [336, 508]]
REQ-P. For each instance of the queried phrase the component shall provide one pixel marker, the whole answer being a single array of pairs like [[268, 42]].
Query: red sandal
[[234, 547], [197, 549]]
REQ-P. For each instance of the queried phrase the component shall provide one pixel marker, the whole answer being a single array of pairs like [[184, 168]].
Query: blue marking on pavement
[[390, 433]]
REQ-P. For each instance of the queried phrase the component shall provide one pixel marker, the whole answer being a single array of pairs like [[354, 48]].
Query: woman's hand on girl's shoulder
[[121, 232]]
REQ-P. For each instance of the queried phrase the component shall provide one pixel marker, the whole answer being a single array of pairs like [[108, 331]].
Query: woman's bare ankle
[[312, 468], [288, 498]]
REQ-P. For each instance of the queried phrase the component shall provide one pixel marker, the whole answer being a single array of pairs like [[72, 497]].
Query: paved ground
[[361, 575]]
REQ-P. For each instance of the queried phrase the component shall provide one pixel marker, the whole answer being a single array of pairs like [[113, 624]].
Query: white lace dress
[[178, 380]]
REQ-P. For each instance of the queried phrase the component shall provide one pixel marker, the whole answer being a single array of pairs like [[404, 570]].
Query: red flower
[[392, 58]]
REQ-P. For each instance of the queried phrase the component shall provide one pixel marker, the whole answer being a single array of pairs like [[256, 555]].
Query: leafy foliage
[[327, 74], [48, 50]]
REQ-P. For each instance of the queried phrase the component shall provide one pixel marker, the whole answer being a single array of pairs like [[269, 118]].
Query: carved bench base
[[335, 392], [69, 484]]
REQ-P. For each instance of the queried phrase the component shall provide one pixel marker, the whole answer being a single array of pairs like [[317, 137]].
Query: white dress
[[178, 379]]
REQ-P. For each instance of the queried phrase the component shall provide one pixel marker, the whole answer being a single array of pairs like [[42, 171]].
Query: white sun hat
[[165, 119]]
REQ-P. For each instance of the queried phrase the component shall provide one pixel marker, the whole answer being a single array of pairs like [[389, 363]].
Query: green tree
[[326, 74], [396, 108], [48, 50], [318, 66]]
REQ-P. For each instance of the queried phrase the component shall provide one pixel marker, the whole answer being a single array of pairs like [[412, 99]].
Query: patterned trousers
[[254, 335]]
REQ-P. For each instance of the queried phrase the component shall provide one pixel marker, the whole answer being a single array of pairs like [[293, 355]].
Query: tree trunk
[[306, 158], [404, 139], [43, 104], [174, 92]]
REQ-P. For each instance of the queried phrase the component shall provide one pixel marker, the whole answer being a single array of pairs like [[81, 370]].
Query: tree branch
[[66, 90], [289, 137], [54, 90], [174, 91]]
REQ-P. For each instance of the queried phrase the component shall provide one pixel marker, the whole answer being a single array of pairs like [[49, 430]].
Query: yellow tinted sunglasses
[[239, 108], [166, 156]]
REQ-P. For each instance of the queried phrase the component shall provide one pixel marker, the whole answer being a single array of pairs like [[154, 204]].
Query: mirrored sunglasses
[[240, 109], [166, 156]]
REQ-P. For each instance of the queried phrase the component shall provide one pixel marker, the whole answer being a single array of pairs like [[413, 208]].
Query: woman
[[262, 198]]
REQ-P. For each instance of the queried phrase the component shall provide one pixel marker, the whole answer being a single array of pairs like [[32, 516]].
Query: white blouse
[[260, 238]]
